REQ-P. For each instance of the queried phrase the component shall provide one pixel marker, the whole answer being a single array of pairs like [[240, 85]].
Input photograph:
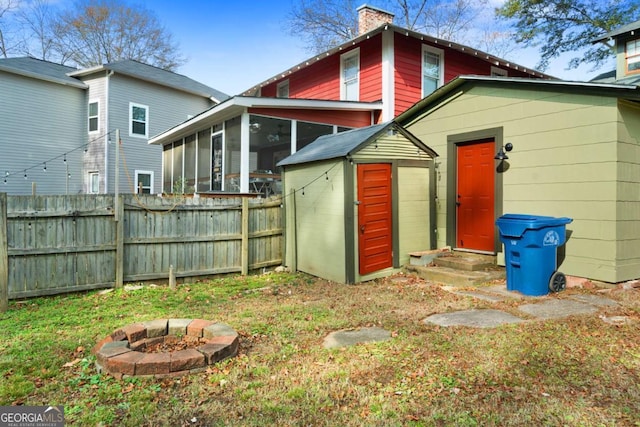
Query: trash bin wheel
[[558, 282]]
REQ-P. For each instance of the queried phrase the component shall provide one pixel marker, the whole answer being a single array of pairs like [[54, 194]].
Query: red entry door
[[475, 196], [375, 247]]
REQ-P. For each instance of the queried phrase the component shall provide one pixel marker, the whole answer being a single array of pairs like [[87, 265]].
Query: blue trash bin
[[530, 248]]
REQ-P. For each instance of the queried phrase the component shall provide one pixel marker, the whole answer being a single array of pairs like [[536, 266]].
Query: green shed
[[358, 202], [575, 153]]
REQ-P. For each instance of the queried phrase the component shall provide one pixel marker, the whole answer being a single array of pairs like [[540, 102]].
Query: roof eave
[[24, 73], [242, 102]]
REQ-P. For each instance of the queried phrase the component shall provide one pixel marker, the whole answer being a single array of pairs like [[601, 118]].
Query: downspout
[[106, 136]]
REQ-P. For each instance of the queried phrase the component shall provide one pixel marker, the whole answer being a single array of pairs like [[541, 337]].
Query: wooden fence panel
[[57, 244]]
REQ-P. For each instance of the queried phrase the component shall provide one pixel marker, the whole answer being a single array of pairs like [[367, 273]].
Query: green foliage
[[568, 26]]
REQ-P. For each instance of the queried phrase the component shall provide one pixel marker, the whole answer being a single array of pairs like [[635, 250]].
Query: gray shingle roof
[[39, 69], [159, 76], [342, 144], [632, 26]]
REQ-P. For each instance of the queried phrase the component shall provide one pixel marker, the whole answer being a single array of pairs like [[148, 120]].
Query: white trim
[[92, 174], [388, 77], [501, 72], [146, 122], [355, 53], [440, 53], [281, 85], [89, 116], [143, 172]]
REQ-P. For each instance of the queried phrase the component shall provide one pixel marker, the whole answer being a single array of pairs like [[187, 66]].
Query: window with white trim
[[350, 76], [144, 182], [93, 116], [632, 56], [283, 89], [138, 120], [94, 182], [432, 69]]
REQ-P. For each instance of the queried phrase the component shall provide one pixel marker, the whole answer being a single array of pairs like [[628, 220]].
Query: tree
[[37, 19], [6, 8], [562, 26], [94, 32], [326, 24]]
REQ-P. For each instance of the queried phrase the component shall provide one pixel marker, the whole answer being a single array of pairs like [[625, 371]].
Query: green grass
[[578, 371]]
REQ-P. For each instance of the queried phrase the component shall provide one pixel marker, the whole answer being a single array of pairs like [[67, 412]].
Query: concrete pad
[[473, 318], [557, 308], [349, 337], [594, 300]]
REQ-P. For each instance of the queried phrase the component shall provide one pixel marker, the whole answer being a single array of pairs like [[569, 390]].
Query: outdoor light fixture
[[501, 153]]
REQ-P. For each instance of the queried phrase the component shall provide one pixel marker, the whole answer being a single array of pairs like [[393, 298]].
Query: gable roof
[[156, 75], [628, 29], [408, 33], [343, 144], [41, 70], [458, 85]]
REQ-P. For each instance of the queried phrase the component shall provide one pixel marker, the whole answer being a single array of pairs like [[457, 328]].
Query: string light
[[25, 174], [45, 167], [65, 158]]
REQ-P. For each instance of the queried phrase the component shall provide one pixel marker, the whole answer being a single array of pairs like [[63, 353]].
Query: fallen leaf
[[72, 363]]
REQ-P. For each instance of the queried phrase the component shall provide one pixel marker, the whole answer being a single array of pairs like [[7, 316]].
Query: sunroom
[[234, 146]]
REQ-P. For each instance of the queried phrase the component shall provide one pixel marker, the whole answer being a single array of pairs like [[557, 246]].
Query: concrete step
[[456, 277], [465, 261]]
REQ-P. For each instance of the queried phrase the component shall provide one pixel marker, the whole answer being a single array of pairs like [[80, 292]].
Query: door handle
[[458, 202], [362, 229]]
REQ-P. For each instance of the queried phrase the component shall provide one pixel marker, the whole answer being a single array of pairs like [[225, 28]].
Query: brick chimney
[[370, 18]]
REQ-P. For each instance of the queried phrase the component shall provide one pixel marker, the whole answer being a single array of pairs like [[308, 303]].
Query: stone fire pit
[[165, 347]]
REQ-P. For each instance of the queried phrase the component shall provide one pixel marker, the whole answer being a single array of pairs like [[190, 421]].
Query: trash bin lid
[[514, 225]]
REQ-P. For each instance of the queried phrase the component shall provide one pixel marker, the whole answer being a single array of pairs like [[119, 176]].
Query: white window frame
[[137, 181], [97, 116], [355, 53], [282, 89], [94, 178], [146, 123], [435, 51], [498, 72], [631, 52]]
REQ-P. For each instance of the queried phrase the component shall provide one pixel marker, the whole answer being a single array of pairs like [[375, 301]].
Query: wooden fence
[[57, 244]]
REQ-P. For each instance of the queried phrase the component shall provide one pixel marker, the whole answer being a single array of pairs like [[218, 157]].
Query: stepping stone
[[595, 300], [557, 308], [473, 318], [349, 337]]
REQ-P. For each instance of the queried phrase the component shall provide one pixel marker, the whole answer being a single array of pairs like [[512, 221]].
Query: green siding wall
[[315, 231], [574, 155]]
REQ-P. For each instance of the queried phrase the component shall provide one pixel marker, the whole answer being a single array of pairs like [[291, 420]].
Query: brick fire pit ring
[[123, 352]]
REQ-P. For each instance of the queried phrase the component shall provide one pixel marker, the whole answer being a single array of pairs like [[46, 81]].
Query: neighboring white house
[[57, 124]]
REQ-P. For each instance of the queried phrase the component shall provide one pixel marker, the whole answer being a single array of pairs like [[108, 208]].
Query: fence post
[[245, 236], [4, 255], [119, 219]]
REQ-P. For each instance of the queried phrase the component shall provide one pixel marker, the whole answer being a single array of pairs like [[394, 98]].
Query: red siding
[[321, 79], [354, 119], [408, 69]]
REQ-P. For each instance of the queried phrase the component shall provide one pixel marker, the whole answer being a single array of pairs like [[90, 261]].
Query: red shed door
[[475, 196], [375, 247]]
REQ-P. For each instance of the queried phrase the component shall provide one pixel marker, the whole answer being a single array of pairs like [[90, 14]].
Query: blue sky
[[232, 46]]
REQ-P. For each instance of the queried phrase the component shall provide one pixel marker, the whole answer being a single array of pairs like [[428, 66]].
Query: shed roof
[[458, 85], [156, 75], [343, 144], [42, 70]]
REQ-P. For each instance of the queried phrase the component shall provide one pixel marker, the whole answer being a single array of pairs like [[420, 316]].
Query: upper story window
[[432, 69], [93, 116], [632, 56], [283, 89], [350, 76], [138, 120]]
